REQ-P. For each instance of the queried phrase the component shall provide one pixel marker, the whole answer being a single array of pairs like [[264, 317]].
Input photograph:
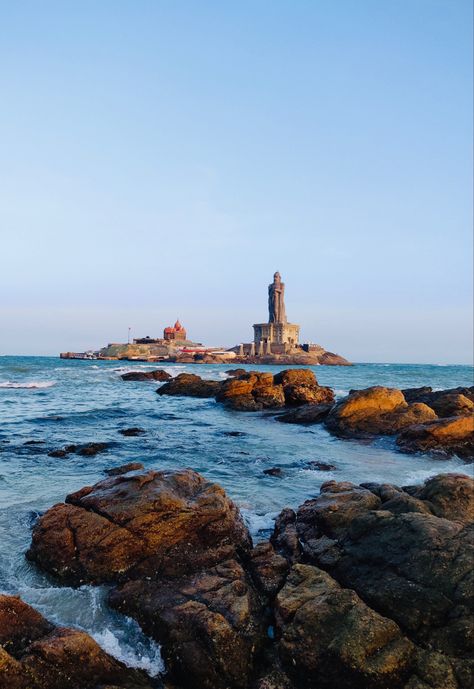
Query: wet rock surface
[[190, 385], [34, 654], [159, 374]]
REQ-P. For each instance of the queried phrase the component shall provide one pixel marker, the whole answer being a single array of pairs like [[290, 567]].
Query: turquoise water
[[60, 402]]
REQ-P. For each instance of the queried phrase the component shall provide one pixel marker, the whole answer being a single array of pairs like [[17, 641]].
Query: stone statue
[[276, 300]]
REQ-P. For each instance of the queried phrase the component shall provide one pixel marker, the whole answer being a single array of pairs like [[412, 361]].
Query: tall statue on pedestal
[[276, 300]]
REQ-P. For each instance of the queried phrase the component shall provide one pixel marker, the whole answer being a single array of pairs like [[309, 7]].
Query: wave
[[33, 384], [146, 658]]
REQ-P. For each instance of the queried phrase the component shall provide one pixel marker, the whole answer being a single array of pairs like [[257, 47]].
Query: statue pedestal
[[276, 333]]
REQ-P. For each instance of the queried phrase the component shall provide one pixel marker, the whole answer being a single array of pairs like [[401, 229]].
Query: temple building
[[177, 332], [277, 336]]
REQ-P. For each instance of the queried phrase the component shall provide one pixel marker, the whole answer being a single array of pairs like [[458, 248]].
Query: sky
[[163, 159]]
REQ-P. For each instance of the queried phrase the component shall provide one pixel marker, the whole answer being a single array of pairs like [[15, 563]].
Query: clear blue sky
[[162, 159]]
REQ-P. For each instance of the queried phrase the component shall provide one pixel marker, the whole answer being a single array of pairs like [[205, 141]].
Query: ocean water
[[57, 402]]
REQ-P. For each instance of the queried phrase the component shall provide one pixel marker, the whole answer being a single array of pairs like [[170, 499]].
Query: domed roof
[[169, 329], [178, 326]]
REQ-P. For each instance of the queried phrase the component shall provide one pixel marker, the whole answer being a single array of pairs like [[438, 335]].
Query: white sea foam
[[149, 660], [258, 522], [31, 384]]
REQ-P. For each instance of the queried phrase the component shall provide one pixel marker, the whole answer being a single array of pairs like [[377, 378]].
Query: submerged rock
[[86, 450], [139, 525], [159, 374], [190, 385], [273, 471], [34, 654], [124, 469], [132, 432]]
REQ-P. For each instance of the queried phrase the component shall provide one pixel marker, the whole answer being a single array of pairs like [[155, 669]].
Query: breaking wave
[[32, 384]]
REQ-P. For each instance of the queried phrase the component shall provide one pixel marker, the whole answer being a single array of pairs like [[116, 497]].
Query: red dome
[[169, 330], [178, 326]]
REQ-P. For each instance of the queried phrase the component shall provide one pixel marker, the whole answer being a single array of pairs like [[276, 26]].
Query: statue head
[[276, 277]]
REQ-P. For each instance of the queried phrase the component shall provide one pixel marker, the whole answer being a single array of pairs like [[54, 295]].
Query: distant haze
[[162, 160]]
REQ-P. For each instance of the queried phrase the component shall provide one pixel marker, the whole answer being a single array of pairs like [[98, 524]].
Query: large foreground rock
[[35, 654], [407, 553], [211, 625], [451, 436], [376, 411], [139, 525]]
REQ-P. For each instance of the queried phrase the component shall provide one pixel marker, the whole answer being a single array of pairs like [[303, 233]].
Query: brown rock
[[450, 496], [452, 405], [454, 402], [36, 655], [295, 376], [236, 372], [444, 436], [252, 391], [308, 394], [132, 432], [375, 411], [285, 538], [331, 638], [159, 374], [268, 568], [333, 510], [190, 385], [124, 469], [132, 526], [210, 624], [407, 564]]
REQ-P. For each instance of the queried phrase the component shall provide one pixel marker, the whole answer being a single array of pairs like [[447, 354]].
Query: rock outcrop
[[361, 587], [407, 555], [34, 654], [139, 525], [453, 402], [376, 411], [159, 374], [448, 436], [190, 385]]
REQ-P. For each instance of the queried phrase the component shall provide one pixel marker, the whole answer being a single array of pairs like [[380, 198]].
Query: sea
[[56, 402]]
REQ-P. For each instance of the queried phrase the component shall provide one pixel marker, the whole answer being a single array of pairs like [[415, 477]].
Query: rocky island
[[275, 343]]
